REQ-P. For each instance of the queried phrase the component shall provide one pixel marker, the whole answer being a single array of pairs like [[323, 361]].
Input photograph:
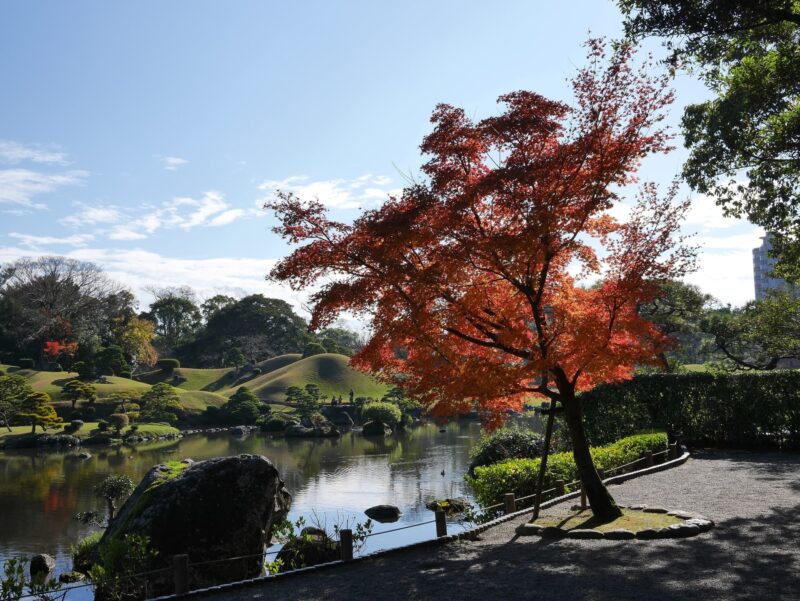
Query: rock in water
[[375, 428], [42, 565], [209, 510], [383, 513]]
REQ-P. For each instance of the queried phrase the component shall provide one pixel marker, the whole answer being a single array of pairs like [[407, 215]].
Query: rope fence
[[185, 576]]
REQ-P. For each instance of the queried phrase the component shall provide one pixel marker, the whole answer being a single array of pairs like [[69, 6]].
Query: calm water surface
[[334, 480]]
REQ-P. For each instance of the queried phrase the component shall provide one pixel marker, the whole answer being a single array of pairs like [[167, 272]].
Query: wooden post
[[560, 490], [180, 564], [648, 459], [583, 497], [511, 502], [548, 432], [346, 544], [673, 450], [441, 523]]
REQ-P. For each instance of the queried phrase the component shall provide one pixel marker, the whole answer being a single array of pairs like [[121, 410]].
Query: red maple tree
[[482, 274]]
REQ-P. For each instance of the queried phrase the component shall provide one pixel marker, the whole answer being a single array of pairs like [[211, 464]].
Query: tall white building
[[763, 265]]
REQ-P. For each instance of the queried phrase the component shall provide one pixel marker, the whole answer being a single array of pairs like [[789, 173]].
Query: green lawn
[[89, 429], [196, 401]]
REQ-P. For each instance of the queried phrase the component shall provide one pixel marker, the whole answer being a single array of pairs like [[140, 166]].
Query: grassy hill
[[200, 388], [52, 381], [331, 372]]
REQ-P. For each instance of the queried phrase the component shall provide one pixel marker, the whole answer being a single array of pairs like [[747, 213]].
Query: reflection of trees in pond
[[40, 492]]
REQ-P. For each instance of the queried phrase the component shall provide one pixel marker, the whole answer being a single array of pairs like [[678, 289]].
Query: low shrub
[[274, 423], [88, 412], [519, 476], [168, 365], [126, 374], [388, 413], [118, 421], [102, 425], [74, 426], [505, 443], [26, 363]]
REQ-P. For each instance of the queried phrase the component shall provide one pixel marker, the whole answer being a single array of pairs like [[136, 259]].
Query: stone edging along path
[[469, 534]]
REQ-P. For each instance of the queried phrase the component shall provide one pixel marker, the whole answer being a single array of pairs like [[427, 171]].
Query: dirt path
[[752, 553]]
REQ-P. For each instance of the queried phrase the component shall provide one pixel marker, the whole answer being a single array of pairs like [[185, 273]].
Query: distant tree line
[[58, 313]]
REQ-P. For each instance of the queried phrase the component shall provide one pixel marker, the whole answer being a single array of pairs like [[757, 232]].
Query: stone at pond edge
[[619, 534], [654, 510], [375, 428], [42, 564], [585, 533], [449, 506], [70, 577], [210, 510], [312, 547], [301, 431], [383, 513]]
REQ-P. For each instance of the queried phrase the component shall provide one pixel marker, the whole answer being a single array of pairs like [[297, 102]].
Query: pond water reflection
[[334, 479]]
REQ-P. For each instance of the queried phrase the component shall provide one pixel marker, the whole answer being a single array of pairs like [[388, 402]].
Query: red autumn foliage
[[479, 273], [53, 349]]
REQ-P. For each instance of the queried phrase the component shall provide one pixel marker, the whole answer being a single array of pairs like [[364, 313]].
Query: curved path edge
[[463, 535]]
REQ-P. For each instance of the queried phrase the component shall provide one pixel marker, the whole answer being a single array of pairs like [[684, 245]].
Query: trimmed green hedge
[[747, 409], [519, 476]]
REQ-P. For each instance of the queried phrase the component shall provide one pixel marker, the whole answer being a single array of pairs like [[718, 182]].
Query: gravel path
[[753, 552]]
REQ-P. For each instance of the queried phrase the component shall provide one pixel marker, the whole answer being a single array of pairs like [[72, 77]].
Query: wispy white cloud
[[138, 269], [182, 212], [37, 242], [171, 163], [365, 191], [92, 215], [14, 152], [125, 232], [227, 217], [20, 186]]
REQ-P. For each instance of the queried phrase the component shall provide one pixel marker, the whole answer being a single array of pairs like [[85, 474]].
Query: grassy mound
[[331, 372], [52, 381], [201, 388], [277, 362], [630, 519]]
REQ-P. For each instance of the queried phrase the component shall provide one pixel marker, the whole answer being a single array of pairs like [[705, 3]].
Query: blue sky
[[145, 136]]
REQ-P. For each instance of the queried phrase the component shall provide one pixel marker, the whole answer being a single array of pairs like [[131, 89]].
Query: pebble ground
[[753, 552]]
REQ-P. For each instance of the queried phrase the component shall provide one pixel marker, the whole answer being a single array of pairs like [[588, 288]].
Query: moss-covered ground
[[631, 519]]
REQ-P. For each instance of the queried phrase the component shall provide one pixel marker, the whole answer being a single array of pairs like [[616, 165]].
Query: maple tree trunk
[[602, 503]]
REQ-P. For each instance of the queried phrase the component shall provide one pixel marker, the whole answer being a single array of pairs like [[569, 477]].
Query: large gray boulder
[[209, 510]]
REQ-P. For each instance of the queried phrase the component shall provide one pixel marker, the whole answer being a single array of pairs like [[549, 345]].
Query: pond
[[332, 481]]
